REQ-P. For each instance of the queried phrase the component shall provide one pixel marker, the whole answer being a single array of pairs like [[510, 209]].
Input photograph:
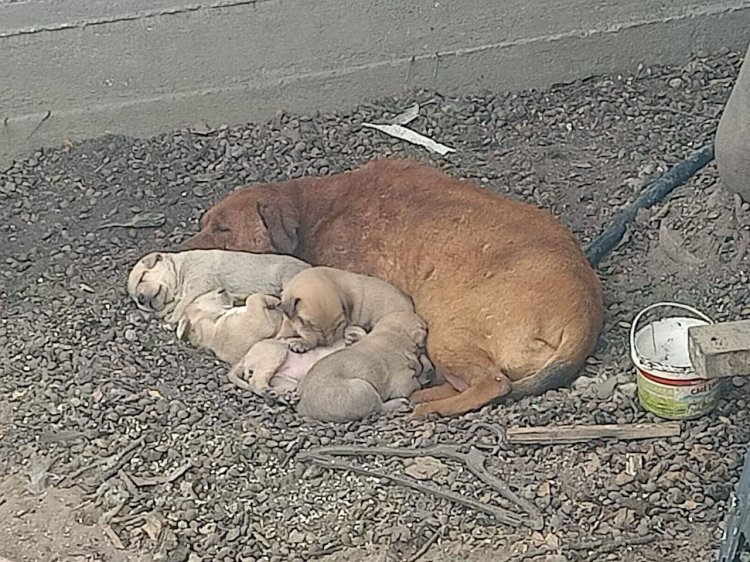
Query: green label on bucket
[[678, 402]]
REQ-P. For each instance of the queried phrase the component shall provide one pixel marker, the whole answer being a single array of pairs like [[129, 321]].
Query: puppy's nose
[[141, 300]]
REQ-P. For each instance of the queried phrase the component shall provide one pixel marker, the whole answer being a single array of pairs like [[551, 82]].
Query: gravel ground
[[180, 466]]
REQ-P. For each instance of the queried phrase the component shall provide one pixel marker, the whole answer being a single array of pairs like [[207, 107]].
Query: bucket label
[[678, 402]]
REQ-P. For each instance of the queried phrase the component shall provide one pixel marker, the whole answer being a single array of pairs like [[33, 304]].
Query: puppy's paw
[[271, 394], [258, 387], [299, 346], [353, 334], [397, 405]]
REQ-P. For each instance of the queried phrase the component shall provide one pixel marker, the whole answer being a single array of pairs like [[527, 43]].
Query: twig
[[426, 546], [121, 456], [554, 435], [601, 546], [741, 250], [499, 513], [297, 446], [317, 553], [473, 460], [46, 116], [670, 109]]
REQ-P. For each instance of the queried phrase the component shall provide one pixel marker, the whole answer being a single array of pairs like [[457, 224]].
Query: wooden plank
[[720, 350], [553, 435]]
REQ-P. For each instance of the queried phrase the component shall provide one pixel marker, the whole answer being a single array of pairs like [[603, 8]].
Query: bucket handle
[[638, 317]]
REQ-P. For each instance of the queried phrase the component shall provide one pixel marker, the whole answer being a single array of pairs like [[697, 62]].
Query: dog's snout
[[141, 300]]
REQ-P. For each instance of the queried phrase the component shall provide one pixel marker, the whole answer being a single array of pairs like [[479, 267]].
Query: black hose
[[652, 194]]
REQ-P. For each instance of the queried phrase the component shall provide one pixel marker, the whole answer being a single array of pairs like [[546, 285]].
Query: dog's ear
[[281, 219], [270, 302], [289, 307], [151, 260], [183, 328]]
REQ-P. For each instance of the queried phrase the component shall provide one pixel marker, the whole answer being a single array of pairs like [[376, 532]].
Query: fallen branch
[[426, 546], [121, 458], [143, 481], [473, 460], [499, 513], [555, 435]]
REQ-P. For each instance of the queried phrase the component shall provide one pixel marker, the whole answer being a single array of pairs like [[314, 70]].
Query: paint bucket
[[667, 383]]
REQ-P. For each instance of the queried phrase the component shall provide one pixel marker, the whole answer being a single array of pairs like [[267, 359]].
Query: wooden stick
[[553, 435]]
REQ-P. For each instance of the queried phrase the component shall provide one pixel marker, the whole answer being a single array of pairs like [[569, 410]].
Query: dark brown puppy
[[512, 305]]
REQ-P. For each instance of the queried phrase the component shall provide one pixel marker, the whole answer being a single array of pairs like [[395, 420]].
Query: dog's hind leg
[[433, 393], [481, 392]]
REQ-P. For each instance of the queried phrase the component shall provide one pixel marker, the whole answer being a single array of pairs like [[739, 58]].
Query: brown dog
[[321, 303], [512, 304]]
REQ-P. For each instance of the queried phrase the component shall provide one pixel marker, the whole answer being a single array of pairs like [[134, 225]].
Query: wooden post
[[721, 349]]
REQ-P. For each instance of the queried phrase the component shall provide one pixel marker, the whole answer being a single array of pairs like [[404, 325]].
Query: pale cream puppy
[[212, 321], [167, 282]]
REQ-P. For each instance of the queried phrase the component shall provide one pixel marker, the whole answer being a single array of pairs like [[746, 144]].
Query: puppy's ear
[[151, 260], [270, 302], [281, 219], [289, 307], [183, 329]]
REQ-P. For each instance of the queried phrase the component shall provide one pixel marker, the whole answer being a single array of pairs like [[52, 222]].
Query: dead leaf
[[553, 541], [424, 468], [153, 526], [689, 504], [624, 478], [605, 388], [116, 542], [592, 466], [543, 489], [143, 481], [673, 246]]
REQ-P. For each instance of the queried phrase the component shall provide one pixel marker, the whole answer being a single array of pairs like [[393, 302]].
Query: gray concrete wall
[[80, 68]]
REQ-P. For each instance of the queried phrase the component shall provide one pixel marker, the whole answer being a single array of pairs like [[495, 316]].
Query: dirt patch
[[49, 528]]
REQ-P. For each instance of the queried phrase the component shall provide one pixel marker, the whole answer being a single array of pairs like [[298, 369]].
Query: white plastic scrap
[[413, 137], [407, 116]]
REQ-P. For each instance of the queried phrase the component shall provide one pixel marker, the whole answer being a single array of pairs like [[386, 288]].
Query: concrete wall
[[80, 68]]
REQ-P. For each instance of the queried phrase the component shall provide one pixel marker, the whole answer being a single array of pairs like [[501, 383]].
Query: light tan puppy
[[212, 321], [167, 282], [321, 302], [270, 364], [374, 374]]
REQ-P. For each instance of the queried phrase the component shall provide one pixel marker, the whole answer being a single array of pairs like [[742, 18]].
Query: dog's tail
[[561, 369]]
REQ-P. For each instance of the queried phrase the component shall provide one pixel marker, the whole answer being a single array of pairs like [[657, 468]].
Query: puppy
[[374, 374], [320, 303], [166, 283], [212, 321], [514, 307], [271, 364]]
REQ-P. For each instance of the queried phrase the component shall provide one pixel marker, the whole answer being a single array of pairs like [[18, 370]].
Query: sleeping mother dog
[[511, 303]]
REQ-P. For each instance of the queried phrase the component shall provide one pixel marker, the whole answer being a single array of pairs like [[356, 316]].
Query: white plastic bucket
[[667, 383]]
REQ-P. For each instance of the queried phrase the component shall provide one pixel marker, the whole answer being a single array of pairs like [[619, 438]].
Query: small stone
[[676, 83]]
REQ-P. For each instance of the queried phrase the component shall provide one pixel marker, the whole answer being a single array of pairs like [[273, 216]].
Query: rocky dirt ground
[[141, 436]]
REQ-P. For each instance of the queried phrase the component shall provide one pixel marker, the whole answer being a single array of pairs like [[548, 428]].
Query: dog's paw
[[271, 394], [353, 334], [299, 346], [397, 405]]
